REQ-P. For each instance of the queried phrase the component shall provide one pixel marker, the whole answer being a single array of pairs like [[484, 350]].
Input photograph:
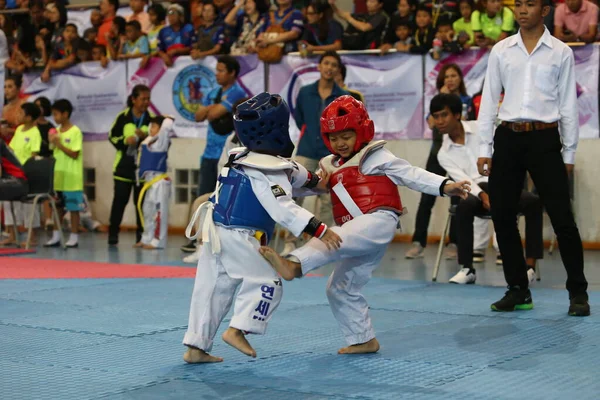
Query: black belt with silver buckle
[[529, 126]]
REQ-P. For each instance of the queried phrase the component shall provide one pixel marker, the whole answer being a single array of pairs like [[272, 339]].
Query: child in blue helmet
[[253, 193]]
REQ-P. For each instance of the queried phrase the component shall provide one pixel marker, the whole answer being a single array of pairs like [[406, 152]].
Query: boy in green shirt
[[25, 144], [67, 142]]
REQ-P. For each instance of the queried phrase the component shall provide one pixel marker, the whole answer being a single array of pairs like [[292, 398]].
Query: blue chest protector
[[151, 161], [238, 206]]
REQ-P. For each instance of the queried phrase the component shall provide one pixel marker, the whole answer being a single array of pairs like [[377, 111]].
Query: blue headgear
[[262, 125]]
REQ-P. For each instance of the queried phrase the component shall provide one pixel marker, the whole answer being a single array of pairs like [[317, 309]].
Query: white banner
[[392, 86], [179, 90], [97, 94]]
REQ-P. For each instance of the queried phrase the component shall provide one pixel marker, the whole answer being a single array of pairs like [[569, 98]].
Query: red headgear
[[347, 113]]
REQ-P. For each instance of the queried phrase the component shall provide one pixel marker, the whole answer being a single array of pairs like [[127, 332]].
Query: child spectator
[[139, 15], [115, 37], [425, 33], [403, 37], [84, 50], [64, 54], [340, 79], [57, 16], [441, 9], [40, 56], [43, 125], [177, 38], [323, 32], [447, 40], [364, 31], [98, 53], [90, 35], [210, 37], [246, 25], [25, 144], [157, 15], [405, 13], [136, 45], [67, 142], [492, 25], [96, 18], [463, 24]]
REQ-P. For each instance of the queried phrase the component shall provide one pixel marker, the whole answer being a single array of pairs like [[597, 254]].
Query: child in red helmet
[[363, 177]]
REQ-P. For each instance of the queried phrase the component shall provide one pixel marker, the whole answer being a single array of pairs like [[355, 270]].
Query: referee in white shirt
[[537, 73]]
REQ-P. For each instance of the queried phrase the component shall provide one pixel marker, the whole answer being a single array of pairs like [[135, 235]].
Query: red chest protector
[[353, 193]]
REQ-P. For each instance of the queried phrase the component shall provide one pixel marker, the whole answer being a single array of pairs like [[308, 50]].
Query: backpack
[[222, 126], [273, 53], [204, 42]]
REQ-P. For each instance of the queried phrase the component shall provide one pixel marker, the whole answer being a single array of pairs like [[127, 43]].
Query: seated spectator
[[323, 32], [136, 44], [463, 24], [364, 31], [576, 21], [177, 38], [458, 156], [403, 39], [108, 11], [340, 80], [84, 50], [90, 35], [223, 9], [425, 33], [404, 15], [246, 25], [13, 182], [210, 37], [450, 42], [157, 15], [442, 10], [288, 18], [450, 80], [139, 15], [493, 24], [64, 54], [98, 52], [115, 38]]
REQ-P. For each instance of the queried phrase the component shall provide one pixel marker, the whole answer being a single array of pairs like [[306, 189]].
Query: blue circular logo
[[189, 88]]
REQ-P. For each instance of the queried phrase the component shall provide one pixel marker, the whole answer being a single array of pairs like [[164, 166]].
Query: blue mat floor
[[121, 339]]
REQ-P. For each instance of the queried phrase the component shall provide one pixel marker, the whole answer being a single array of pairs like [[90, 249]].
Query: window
[[89, 183], [186, 185]]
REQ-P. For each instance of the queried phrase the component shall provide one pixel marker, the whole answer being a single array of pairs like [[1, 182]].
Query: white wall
[[185, 153]]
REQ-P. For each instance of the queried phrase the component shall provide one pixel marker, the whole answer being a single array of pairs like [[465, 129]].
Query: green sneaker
[[514, 299]]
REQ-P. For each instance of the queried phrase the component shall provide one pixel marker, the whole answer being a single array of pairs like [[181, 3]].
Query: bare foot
[[197, 356], [286, 268], [372, 346], [8, 242], [32, 243], [149, 247], [235, 338], [138, 244]]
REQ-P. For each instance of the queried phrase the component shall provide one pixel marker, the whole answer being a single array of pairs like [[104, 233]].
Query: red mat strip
[[15, 251], [35, 268]]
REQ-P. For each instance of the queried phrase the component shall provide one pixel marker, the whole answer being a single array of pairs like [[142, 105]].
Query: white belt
[[205, 227], [346, 200]]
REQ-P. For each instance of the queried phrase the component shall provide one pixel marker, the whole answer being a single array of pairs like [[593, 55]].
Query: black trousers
[[428, 201], [539, 153], [12, 189], [529, 205], [208, 174], [120, 200]]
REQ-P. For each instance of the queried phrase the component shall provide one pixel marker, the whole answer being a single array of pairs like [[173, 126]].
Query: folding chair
[[40, 177], [438, 259]]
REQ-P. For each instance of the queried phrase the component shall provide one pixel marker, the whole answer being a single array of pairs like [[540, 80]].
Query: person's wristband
[[313, 226], [443, 185], [321, 231], [312, 181]]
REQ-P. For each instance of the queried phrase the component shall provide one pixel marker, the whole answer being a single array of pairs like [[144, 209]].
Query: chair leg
[[552, 244], [57, 224], [30, 223], [15, 230], [438, 259]]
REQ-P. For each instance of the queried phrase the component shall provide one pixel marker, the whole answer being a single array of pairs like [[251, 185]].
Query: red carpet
[[35, 268], [14, 251]]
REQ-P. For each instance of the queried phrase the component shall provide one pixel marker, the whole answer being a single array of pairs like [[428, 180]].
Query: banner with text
[[97, 94], [392, 86], [179, 90], [473, 64]]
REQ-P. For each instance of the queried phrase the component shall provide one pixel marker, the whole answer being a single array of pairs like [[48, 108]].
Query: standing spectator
[[340, 80], [67, 143], [246, 25], [288, 18], [11, 112], [139, 15], [108, 10], [57, 17], [115, 37], [323, 32], [493, 24], [424, 34], [136, 45], [576, 21], [217, 108], [64, 54], [464, 24], [210, 37], [177, 38], [44, 125], [310, 103], [128, 130], [96, 18], [364, 31], [84, 50]]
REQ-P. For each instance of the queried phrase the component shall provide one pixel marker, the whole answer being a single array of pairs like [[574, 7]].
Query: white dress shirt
[[538, 87], [460, 160]]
